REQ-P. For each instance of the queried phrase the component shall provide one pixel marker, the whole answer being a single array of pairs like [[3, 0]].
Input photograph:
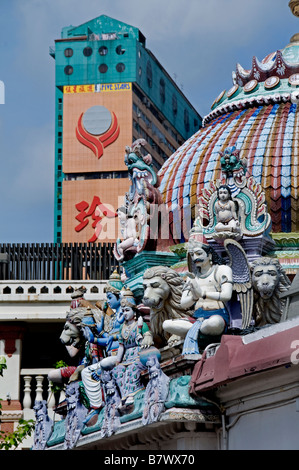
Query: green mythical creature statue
[[139, 216]]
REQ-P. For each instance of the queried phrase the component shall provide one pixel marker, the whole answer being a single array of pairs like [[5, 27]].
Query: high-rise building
[[110, 91]]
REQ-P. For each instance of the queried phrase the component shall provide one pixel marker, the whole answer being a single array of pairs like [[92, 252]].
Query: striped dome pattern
[[267, 135]]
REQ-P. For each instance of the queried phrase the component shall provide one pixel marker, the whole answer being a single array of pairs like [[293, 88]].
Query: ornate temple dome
[[259, 115]]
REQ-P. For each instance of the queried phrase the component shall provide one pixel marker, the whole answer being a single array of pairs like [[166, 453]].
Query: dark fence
[[56, 261]]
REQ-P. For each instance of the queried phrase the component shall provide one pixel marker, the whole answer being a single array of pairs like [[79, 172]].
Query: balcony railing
[[56, 261], [35, 386]]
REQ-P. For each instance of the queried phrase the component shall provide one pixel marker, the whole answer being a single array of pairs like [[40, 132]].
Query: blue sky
[[199, 42]]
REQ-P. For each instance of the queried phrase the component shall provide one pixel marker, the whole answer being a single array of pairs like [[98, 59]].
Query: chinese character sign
[[100, 214]]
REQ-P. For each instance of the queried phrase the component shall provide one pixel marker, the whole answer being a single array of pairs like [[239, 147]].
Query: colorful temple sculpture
[[207, 274], [135, 352]]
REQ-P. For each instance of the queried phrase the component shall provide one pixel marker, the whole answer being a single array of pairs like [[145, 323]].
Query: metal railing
[[56, 261]]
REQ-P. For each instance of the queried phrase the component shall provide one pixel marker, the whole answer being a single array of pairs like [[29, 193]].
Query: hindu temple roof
[[258, 115]]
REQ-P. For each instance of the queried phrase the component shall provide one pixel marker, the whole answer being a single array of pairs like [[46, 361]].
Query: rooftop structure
[[190, 346], [259, 116], [109, 86]]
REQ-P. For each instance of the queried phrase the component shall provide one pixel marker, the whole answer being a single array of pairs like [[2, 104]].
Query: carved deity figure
[[128, 231], [234, 206], [225, 210], [208, 290], [231, 164], [107, 338], [139, 205], [134, 335]]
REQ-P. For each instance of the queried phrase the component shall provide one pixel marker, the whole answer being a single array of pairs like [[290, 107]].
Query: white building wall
[[10, 381], [276, 428], [262, 410]]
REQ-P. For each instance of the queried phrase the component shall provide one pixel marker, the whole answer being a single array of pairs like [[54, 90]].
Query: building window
[[68, 70], [140, 71], [68, 52], [87, 51], [119, 50], [103, 50], [149, 74], [174, 105], [162, 90], [120, 67], [103, 68], [186, 120]]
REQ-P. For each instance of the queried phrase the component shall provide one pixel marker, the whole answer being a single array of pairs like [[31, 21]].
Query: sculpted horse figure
[[74, 339]]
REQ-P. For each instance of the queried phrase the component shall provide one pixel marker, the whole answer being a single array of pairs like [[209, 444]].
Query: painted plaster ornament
[[226, 211], [43, 425], [141, 205], [133, 336], [129, 231], [209, 289], [163, 288], [157, 388], [73, 338], [111, 420], [269, 281], [78, 299], [231, 164], [107, 338], [76, 413], [217, 218]]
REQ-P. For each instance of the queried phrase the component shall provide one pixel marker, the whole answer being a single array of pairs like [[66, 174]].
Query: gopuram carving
[[233, 206], [140, 205], [136, 355]]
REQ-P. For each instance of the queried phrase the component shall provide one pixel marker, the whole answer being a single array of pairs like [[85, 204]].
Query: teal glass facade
[[105, 50]]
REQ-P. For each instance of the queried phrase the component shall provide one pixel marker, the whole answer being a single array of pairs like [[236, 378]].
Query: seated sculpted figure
[[128, 230], [226, 216], [208, 290], [107, 338]]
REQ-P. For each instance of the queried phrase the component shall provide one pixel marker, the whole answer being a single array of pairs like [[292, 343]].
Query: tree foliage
[[11, 440]]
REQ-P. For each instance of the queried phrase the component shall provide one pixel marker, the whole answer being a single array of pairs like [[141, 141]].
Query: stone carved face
[[265, 279], [71, 334], [156, 291]]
